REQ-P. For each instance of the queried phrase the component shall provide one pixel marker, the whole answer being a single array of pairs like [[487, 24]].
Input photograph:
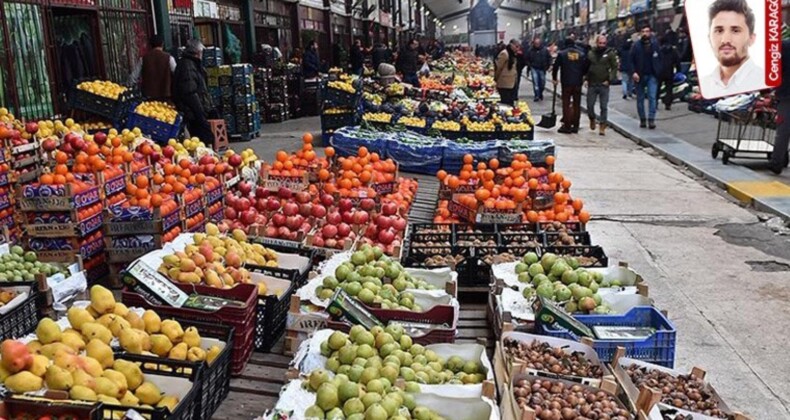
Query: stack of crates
[[232, 89], [273, 95]]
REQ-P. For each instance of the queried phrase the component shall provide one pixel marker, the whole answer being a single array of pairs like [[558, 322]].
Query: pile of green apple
[[373, 277], [366, 364], [19, 265], [562, 280]]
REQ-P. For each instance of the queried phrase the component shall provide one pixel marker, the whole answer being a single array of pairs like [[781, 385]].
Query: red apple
[[272, 204], [235, 160], [285, 193], [49, 145], [260, 204], [389, 208], [367, 204], [386, 236], [302, 197], [245, 188], [327, 199], [230, 213], [283, 232], [167, 151], [290, 209], [329, 231], [244, 204], [345, 204], [206, 159], [293, 222], [261, 192], [360, 217], [348, 216], [399, 224], [271, 232], [31, 127], [371, 231], [305, 209], [383, 222], [331, 243], [318, 211], [306, 227], [248, 217], [343, 230], [278, 219], [334, 218], [318, 242], [100, 138]]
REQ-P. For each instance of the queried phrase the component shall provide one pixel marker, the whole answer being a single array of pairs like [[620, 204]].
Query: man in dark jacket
[[380, 54], [626, 68], [602, 71], [190, 94], [409, 63], [311, 65], [572, 63], [357, 57], [157, 71], [684, 46], [670, 63], [646, 60], [538, 60]]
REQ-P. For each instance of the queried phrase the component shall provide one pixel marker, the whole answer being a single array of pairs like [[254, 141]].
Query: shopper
[[602, 71], [538, 61], [409, 63], [684, 46], [505, 69], [380, 54], [190, 94], [357, 57], [311, 65], [626, 68], [646, 61], [572, 63], [157, 71], [779, 157], [521, 62], [670, 63]]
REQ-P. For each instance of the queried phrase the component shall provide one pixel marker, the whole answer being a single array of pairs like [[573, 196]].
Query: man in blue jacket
[[646, 64]]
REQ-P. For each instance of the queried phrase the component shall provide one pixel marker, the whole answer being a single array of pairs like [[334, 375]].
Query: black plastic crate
[[112, 109], [333, 121], [417, 256], [24, 318], [590, 251], [422, 233], [473, 272], [579, 238], [478, 227], [186, 409], [271, 316], [518, 228], [476, 245], [568, 226]]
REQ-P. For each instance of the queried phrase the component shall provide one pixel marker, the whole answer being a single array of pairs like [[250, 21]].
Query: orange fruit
[[329, 151], [47, 179], [363, 151], [550, 160], [307, 138], [468, 159], [60, 179], [61, 157], [441, 175], [584, 216], [141, 181]]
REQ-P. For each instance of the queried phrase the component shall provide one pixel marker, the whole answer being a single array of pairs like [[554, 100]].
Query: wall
[[512, 23], [460, 21]]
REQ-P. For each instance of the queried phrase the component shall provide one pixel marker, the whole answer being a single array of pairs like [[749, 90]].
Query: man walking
[[409, 63], [190, 93], [646, 62], [626, 68], [602, 71], [538, 60], [670, 63], [572, 63]]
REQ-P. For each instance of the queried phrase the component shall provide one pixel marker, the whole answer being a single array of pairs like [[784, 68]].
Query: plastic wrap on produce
[[482, 151], [536, 150], [348, 140], [507, 273], [515, 303], [416, 153]]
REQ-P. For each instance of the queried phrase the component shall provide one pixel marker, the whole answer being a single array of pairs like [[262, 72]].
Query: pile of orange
[[358, 173], [296, 164]]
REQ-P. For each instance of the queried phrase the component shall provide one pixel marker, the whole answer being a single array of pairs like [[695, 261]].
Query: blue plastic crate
[[158, 131], [658, 348], [242, 69]]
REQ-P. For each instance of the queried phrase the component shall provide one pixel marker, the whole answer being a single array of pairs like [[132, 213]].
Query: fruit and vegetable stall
[[352, 281]]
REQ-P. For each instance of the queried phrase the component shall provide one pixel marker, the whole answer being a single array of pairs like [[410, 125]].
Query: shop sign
[[229, 12], [182, 4], [385, 19], [639, 6]]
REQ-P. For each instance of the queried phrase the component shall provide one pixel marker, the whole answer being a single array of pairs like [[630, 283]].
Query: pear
[[3, 373], [120, 309], [90, 365], [108, 387], [191, 337], [58, 378], [134, 376], [91, 330], [129, 400], [117, 325], [79, 392], [48, 331], [212, 353], [108, 400], [34, 347], [130, 341], [118, 378], [82, 378], [179, 352], [152, 322], [73, 339], [148, 393], [79, 316], [97, 349], [196, 354], [23, 381], [172, 329], [169, 401], [39, 366], [135, 321], [52, 350], [160, 345], [102, 300], [70, 362]]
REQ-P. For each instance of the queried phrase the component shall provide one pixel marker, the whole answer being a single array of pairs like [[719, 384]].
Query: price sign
[[461, 211]]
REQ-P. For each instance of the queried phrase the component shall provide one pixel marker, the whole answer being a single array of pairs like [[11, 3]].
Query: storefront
[[46, 46], [224, 29], [313, 27], [273, 24]]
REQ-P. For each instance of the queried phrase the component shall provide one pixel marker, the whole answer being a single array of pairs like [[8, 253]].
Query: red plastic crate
[[242, 320], [440, 314]]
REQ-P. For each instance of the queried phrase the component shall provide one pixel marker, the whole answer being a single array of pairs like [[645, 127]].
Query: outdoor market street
[[719, 272]]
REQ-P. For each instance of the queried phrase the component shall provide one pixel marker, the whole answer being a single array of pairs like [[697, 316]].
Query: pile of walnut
[[682, 391], [544, 357], [554, 400]]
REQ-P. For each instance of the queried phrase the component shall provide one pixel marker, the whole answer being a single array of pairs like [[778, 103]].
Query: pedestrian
[[409, 63], [190, 93], [539, 61], [157, 71], [505, 73], [600, 74], [670, 63], [311, 65], [357, 57], [626, 68], [684, 46], [521, 62], [646, 61], [572, 63], [779, 157]]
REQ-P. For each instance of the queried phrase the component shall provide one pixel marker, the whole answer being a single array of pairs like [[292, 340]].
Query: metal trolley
[[747, 134]]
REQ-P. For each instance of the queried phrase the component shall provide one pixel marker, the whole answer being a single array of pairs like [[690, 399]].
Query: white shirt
[[749, 77]]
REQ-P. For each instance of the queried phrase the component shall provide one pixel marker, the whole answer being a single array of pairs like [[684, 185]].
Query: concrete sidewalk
[[685, 138]]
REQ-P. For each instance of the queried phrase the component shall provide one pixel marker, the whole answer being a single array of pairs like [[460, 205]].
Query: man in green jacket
[[602, 70]]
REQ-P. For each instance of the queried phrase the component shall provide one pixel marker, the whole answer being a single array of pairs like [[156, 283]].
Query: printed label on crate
[[171, 220], [7, 221], [446, 193], [114, 185], [294, 183], [28, 176], [542, 199], [194, 207], [92, 248], [214, 195], [490, 216], [384, 188], [142, 171], [135, 241], [584, 381], [132, 227], [263, 240], [5, 201], [141, 274], [232, 181], [4, 180], [52, 230], [461, 211], [116, 255], [217, 216], [45, 198], [91, 224], [305, 322], [2, 155], [24, 148], [198, 227]]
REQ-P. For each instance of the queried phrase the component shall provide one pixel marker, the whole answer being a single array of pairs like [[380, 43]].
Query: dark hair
[[737, 6], [157, 41], [645, 25]]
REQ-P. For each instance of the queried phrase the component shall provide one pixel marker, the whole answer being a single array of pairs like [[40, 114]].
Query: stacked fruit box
[[24, 159], [234, 93], [215, 203], [7, 219], [62, 221], [193, 203]]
